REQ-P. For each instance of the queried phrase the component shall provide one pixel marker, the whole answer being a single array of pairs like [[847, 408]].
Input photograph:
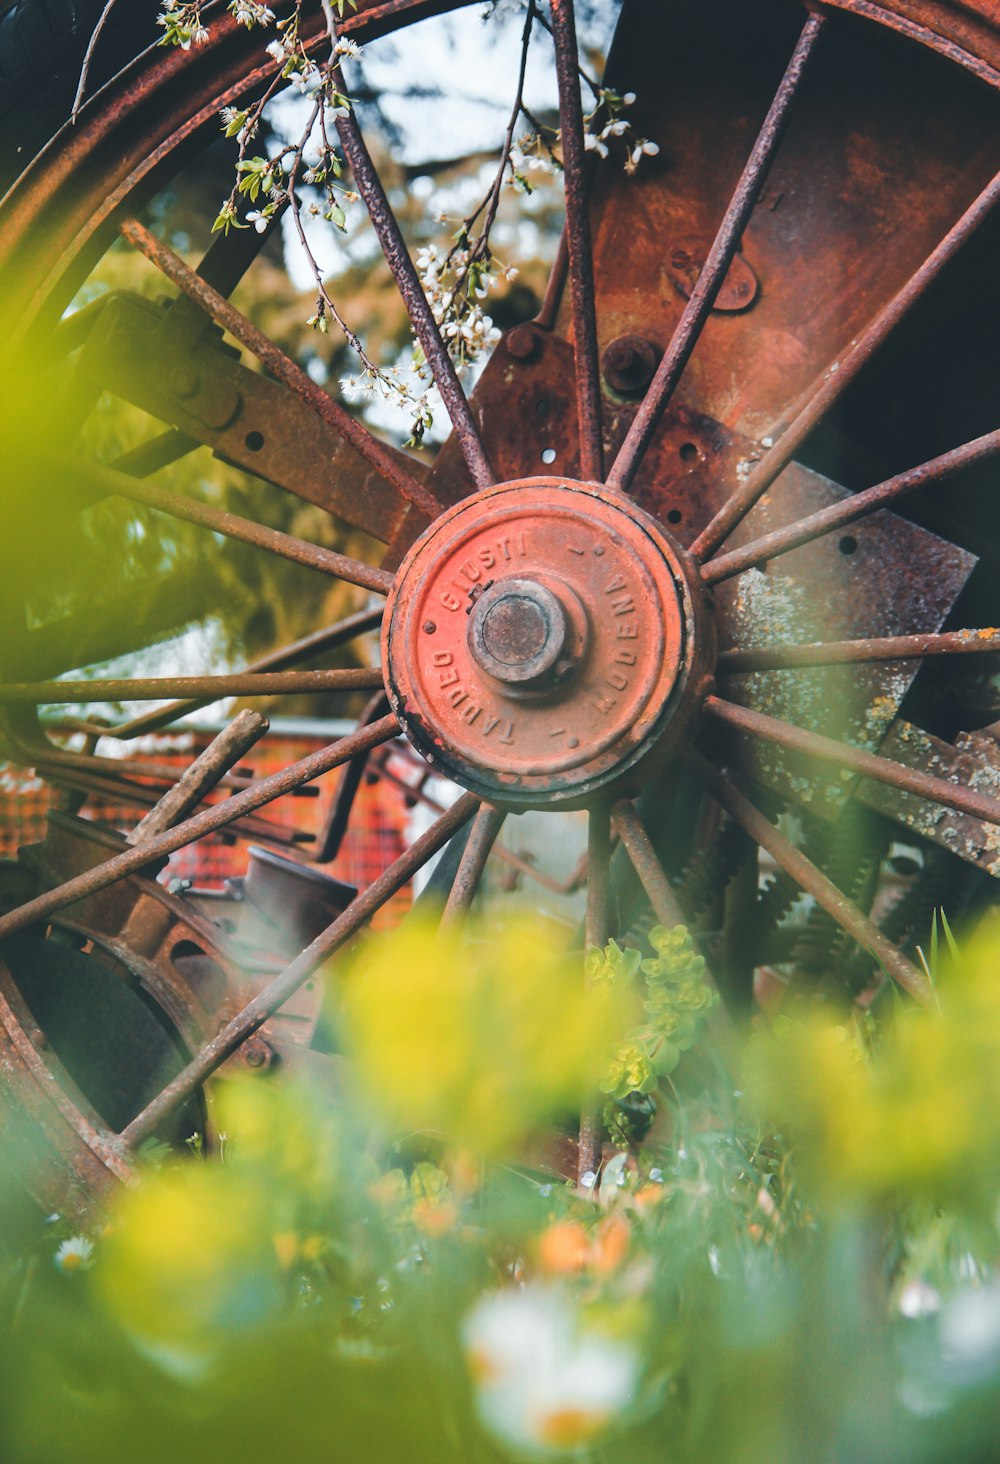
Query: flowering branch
[[455, 281]]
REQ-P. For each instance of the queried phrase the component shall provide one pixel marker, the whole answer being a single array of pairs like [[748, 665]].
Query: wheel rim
[[614, 398]]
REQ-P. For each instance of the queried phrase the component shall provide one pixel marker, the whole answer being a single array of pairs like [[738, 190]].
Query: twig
[[88, 56]]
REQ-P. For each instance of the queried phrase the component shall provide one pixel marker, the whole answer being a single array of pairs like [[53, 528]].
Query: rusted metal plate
[[884, 577], [973, 760], [244, 417], [863, 186]]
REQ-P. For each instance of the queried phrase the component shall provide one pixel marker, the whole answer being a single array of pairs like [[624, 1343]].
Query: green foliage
[[804, 1273], [676, 1000]]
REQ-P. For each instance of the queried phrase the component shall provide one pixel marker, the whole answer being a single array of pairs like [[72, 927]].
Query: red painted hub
[[545, 638]]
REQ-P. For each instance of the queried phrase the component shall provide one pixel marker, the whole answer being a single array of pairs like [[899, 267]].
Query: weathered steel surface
[[702, 296], [418, 308], [260, 425], [391, 465], [971, 763], [874, 648], [844, 758], [154, 688]]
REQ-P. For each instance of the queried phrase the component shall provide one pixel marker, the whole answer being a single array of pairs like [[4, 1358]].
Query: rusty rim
[[687, 489]]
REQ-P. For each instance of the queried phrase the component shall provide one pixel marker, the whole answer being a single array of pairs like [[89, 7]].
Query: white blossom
[[75, 1254], [919, 1299], [249, 13], [544, 1380]]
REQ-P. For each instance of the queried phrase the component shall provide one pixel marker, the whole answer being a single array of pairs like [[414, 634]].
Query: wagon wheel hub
[[544, 639]]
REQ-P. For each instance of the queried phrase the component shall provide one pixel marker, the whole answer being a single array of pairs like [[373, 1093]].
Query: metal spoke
[[596, 933], [201, 776], [647, 866], [849, 510], [839, 374], [339, 816], [716, 266], [52, 761], [155, 688], [482, 836], [264, 1005], [739, 661], [107, 482], [318, 643], [111, 788], [415, 793], [227, 259], [209, 821], [812, 880], [554, 286], [581, 261], [428, 333], [856, 760], [387, 462]]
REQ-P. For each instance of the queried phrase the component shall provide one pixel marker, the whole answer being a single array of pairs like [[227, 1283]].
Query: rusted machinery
[[710, 551]]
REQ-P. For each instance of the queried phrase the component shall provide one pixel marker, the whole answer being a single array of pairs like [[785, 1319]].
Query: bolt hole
[[254, 441], [848, 544], [674, 516], [689, 452], [549, 455]]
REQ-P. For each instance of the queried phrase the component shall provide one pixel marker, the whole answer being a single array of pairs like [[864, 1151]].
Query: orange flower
[[648, 1196], [563, 1248], [610, 1244], [286, 1246], [434, 1217]]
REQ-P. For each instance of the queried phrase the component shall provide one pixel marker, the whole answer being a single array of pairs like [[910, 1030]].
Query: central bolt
[[517, 631]]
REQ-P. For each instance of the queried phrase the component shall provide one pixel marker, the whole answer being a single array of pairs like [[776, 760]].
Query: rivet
[[522, 343]]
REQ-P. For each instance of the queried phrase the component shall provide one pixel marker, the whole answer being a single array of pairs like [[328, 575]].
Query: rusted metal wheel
[[647, 576]]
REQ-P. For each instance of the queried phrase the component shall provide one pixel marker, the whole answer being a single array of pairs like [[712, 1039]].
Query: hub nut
[[518, 631]]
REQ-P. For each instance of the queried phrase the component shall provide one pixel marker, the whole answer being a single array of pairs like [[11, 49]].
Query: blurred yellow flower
[[480, 1036], [918, 1117], [193, 1262]]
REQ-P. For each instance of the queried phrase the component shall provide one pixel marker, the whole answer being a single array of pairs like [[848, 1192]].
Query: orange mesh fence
[[376, 832]]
